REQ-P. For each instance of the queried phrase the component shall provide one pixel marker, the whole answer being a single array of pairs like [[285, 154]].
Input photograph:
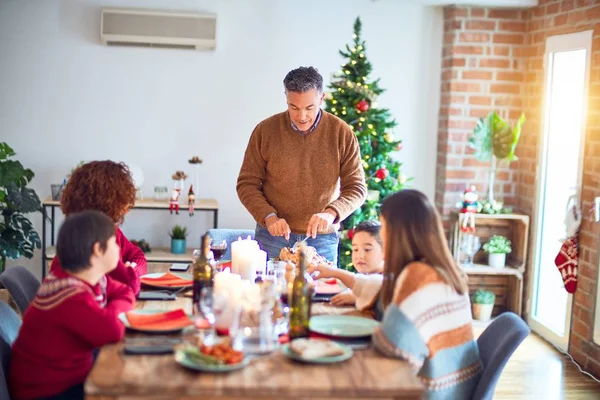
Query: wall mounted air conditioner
[[130, 27]]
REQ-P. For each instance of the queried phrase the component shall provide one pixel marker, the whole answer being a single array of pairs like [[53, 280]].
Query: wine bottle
[[203, 271], [300, 302]]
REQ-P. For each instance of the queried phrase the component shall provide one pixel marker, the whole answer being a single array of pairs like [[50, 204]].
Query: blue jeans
[[326, 244]]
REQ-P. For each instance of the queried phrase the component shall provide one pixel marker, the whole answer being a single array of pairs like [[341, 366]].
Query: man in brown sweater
[[302, 172]]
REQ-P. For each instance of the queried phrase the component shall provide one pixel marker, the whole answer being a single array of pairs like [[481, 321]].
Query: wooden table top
[[367, 375]]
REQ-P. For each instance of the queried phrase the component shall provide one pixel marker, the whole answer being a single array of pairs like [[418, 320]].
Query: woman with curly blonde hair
[[106, 186]]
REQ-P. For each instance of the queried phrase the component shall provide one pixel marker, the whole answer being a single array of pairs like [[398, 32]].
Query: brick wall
[[482, 70], [492, 59], [547, 19]]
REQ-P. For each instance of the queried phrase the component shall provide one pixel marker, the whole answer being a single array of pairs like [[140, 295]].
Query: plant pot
[[178, 246], [497, 260], [482, 312]]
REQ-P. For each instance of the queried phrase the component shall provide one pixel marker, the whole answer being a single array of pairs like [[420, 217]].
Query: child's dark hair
[[78, 235], [371, 227]]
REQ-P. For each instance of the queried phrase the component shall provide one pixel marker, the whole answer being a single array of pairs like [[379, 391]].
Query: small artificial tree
[[352, 98]]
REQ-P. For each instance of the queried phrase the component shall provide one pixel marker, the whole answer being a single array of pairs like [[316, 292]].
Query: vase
[[482, 312], [178, 246], [497, 260]]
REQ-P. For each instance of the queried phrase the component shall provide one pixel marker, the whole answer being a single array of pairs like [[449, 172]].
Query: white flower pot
[[482, 312], [497, 260]]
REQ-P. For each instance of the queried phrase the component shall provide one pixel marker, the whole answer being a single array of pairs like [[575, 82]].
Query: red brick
[[480, 100], [494, 63], [567, 5], [478, 12], [509, 76], [581, 329], [484, 75], [458, 137], [592, 13], [453, 12], [504, 14], [453, 62], [452, 25], [512, 101], [469, 50], [501, 50], [561, 19], [462, 124], [454, 99], [473, 162], [505, 88], [509, 38], [552, 9], [460, 174], [464, 87], [449, 38], [468, 37], [512, 26], [478, 112], [482, 25], [449, 74]]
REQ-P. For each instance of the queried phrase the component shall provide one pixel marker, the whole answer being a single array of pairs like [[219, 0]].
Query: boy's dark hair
[[371, 227], [78, 235]]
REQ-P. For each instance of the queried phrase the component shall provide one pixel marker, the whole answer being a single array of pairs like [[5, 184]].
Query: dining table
[[366, 375]]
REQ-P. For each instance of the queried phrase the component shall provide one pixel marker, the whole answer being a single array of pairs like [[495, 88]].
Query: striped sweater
[[428, 324]]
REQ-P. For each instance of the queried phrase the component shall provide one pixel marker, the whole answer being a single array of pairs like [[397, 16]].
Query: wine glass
[[469, 245], [210, 307], [218, 249]]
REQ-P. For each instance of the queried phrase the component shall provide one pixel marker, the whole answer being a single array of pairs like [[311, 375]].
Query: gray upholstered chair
[[9, 328], [496, 345], [229, 235], [21, 284]]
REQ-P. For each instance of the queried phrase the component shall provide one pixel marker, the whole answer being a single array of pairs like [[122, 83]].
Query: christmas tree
[[352, 97]]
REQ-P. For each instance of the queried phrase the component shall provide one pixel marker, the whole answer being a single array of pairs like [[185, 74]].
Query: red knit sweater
[[127, 275], [61, 328]]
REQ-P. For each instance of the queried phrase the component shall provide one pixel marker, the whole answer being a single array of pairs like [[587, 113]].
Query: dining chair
[[9, 328], [21, 284]]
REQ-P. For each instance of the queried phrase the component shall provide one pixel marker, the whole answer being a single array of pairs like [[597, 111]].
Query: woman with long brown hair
[[425, 298]]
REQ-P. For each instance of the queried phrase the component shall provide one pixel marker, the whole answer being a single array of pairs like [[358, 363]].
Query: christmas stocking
[[567, 261]]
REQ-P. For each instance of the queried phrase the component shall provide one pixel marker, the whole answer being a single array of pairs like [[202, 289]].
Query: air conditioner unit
[[130, 27]]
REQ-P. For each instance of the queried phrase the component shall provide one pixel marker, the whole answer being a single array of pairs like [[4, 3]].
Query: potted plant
[[17, 235], [178, 235], [497, 248], [483, 304]]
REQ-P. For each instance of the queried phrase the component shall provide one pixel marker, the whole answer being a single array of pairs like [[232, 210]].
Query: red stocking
[[567, 261]]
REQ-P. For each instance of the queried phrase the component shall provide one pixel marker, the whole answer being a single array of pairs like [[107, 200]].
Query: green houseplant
[[494, 140], [17, 235], [497, 248], [178, 238], [483, 304]]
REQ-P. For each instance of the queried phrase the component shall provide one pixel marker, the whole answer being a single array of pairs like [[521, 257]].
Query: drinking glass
[[218, 249], [210, 307], [469, 245]]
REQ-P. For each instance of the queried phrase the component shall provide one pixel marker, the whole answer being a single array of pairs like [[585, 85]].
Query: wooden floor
[[537, 371]]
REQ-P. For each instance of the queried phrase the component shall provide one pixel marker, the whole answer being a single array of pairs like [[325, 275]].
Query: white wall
[[64, 97]]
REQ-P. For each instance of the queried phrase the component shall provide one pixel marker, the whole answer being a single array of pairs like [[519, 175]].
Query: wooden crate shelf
[[506, 283]]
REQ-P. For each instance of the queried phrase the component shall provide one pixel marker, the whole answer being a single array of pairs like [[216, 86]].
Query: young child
[[64, 324], [106, 186], [427, 318], [367, 258]]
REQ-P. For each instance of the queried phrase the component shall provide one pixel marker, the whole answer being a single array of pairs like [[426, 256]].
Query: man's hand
[[320, 222], [278, 227]]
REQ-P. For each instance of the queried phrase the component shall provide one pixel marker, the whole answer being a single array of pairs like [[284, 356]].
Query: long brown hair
[[414, 232]]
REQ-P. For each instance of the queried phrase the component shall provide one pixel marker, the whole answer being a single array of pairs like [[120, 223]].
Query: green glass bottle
[[300, 301], [203, 271]]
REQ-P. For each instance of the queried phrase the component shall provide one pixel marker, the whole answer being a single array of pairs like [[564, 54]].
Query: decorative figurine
[[174, 201], [191, 199], [469, 200]]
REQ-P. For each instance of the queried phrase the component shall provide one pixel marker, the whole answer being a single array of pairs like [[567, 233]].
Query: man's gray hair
[[303, 79]]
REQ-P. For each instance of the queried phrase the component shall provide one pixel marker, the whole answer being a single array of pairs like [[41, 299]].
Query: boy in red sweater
[[65, 322], [106, 186]]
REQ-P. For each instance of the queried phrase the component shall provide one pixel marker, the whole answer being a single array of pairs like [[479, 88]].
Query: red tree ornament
[[382, 173], [362, 106], [350, 233]]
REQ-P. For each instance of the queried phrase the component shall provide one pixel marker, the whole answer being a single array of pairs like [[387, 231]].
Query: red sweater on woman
[[129, 253], [61, 328]]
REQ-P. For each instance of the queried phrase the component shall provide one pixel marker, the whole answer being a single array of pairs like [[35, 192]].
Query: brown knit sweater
[[296, 175]]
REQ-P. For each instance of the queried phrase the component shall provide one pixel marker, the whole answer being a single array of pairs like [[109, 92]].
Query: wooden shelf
[[480, 269], [157, 255], [151, 204]]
